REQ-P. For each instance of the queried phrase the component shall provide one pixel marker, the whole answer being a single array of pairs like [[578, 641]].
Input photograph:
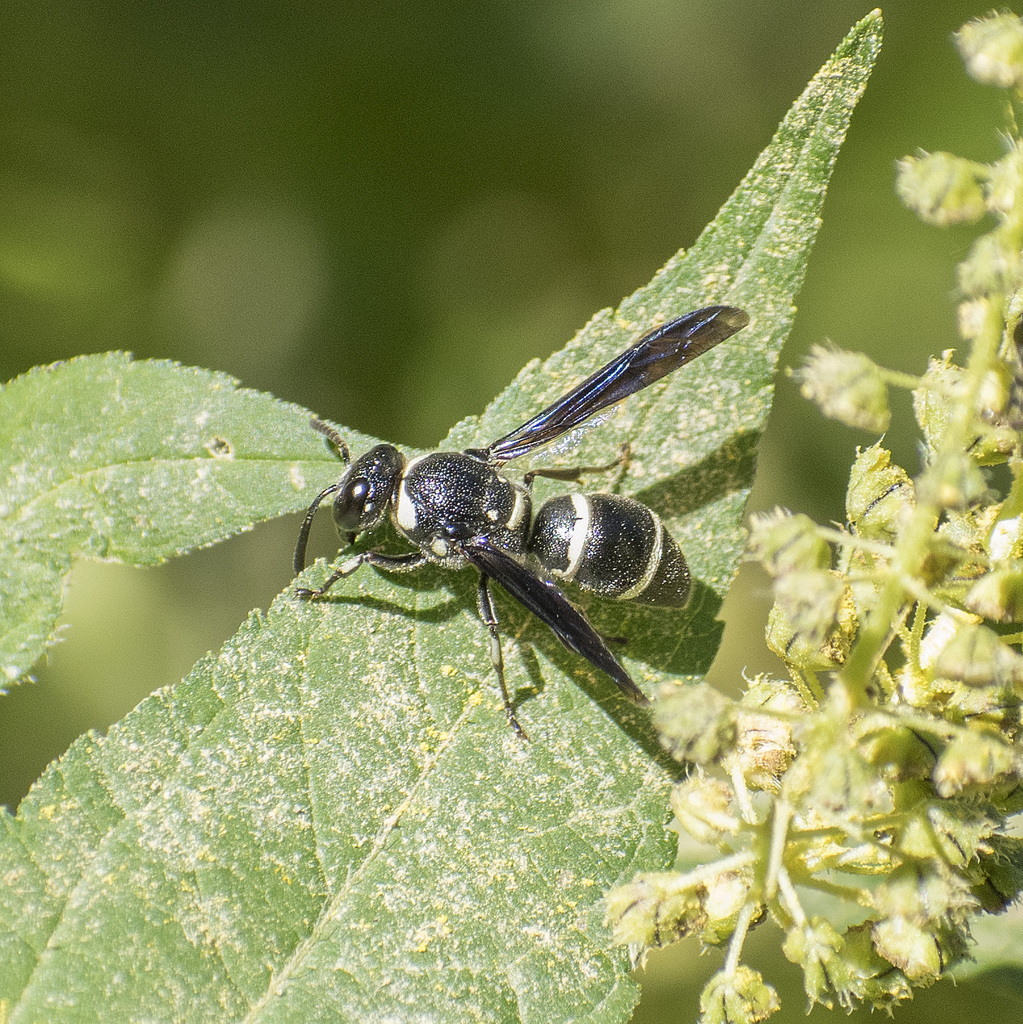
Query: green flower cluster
[[862, 803]]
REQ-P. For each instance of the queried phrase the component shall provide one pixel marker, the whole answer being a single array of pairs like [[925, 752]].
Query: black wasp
[[458, 508]]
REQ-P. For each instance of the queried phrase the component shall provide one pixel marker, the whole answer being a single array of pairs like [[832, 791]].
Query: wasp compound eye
[[353, 505]]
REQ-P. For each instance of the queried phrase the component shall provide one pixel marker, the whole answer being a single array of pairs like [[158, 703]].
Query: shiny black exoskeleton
[[459, 509]]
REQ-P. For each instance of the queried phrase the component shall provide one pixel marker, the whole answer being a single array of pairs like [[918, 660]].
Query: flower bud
[[763, 749], [737, 997], [938, 398], [817, 948], [1004, 184], [703, 808], [835, 780], [724, 898], [921, 895], [992, 49], [872, 977], [914, 950], [990, 268], [880, 495], [694, 722], [951, 832], [996, 705], [652, 911], [972, 759], [783, 542], [970, 315], [813, 621], [975, 656], [1001, 867], [810, 601], [941, 188], [847, 386], [952, 480], [998, 595], [899, 752]]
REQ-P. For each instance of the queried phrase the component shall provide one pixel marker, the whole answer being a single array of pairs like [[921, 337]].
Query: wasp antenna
[[303, 533], [333, 435]]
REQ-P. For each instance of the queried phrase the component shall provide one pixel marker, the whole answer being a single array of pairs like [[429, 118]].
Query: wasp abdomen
[[612, 546]]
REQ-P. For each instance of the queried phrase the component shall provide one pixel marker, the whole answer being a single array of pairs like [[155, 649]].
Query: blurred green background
[[382, 212]]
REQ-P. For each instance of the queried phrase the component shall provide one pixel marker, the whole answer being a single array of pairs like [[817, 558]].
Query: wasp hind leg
[[575, 474]]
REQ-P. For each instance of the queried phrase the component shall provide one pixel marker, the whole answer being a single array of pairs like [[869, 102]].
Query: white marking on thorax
[[405, 513]]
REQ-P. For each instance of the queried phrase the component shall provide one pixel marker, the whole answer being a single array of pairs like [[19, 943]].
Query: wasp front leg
[[391, 563]]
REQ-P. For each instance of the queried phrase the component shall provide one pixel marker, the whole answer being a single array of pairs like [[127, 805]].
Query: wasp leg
[[488, 616], [575, 473], [392, 563]]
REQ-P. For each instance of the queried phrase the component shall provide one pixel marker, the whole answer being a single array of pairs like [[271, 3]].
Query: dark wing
[[551, 606], [664, 349]]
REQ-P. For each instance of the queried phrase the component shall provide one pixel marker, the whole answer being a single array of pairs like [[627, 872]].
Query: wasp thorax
[[450, 497], [366, 489]]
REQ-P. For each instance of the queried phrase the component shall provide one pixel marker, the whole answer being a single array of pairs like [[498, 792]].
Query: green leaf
[[133, 462], [330, 820]]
